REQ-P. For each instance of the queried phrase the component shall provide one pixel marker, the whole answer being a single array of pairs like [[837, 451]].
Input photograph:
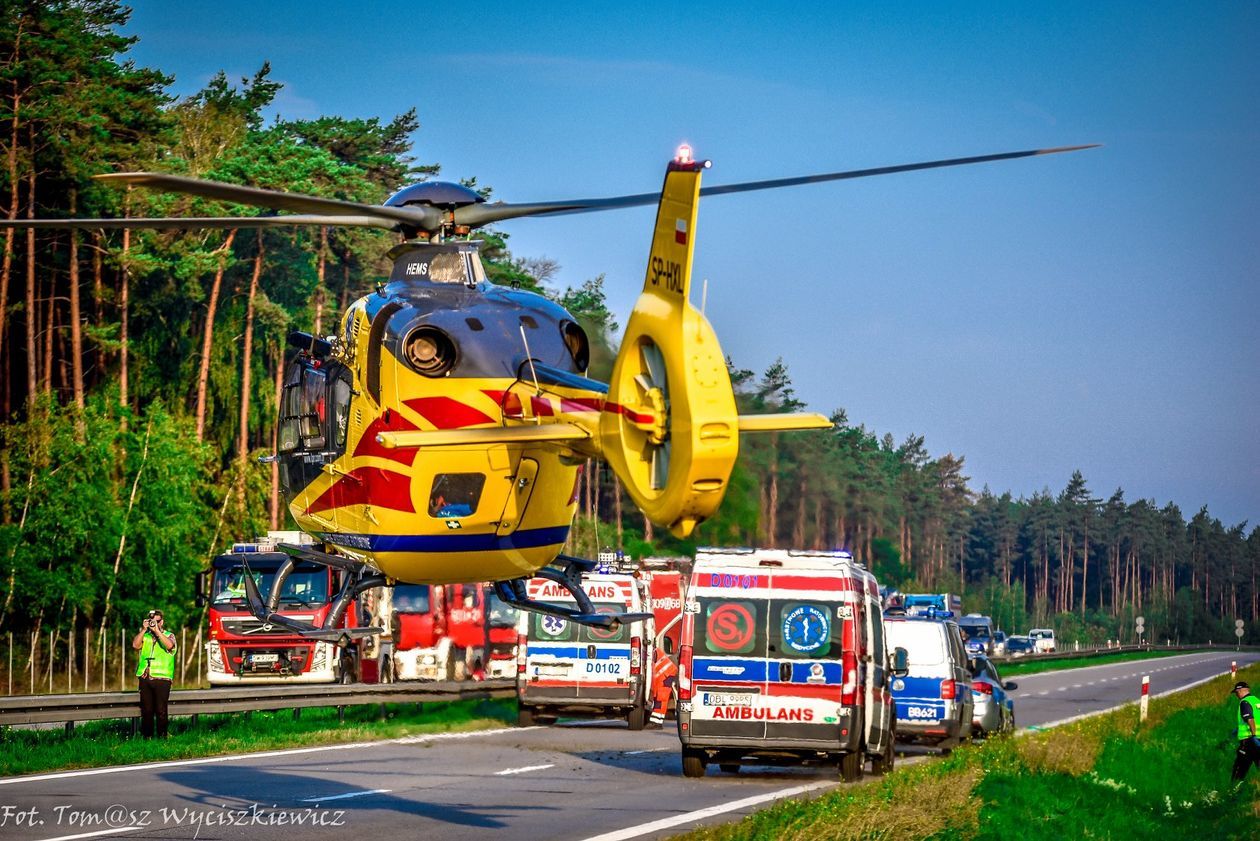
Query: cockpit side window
[[341, 411], [303, 409]]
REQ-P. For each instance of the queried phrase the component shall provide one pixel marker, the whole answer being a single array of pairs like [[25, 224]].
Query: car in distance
[[1020, 646], [999, 643], [994, 712], [1043, 638]]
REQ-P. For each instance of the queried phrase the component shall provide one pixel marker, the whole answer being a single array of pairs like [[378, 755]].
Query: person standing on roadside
[[1248, 743], [156, 670]]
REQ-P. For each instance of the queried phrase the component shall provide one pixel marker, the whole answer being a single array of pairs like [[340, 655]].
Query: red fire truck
[[245, 650], [452, 632]]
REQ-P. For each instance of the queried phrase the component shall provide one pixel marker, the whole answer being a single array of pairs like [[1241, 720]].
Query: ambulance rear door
[[810, 626], [729, 654]]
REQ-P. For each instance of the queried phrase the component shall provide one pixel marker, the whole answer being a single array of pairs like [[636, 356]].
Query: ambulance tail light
[[949, 690], [520, 654], [636, 659], [684, 673], [848, 692]]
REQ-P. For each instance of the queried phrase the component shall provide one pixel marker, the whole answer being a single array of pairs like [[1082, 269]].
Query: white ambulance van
[[566, 668], [783, 661]]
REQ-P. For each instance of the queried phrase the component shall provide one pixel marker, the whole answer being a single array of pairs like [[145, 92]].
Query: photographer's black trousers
[[154, 696], [1248, 755]]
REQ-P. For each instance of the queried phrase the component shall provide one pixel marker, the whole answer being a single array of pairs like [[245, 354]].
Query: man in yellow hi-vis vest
[[1248, 745], [156, 670]]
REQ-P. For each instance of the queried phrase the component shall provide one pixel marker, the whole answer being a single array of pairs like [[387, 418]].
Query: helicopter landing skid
[[355, 582], [568, 576]]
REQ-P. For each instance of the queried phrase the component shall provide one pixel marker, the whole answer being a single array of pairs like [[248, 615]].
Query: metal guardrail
[[44, 709], [1115, 649]]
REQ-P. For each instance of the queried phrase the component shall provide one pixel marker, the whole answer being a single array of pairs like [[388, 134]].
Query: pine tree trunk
[[207, 337], [124, 314], [32, 320], [6, 267], [76, 329], [617, 508], [321, 263], [242, 445]]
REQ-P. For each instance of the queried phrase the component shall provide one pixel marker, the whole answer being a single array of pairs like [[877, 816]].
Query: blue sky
[[1093, 311]]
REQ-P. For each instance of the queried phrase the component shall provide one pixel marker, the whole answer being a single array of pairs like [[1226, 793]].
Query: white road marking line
[[347, 796], [97, 834], [523, 770], [1044, 692], [403, 740], [701, 814], [649, 750], [1076, 686], [1062, 689]]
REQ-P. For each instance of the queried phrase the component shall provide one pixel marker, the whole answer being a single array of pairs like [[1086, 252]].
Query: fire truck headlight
[[430, 660], [214, 654]]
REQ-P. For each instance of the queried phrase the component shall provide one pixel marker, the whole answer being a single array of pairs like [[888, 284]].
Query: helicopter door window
[[341, 411], [455, 494], [304, 411]]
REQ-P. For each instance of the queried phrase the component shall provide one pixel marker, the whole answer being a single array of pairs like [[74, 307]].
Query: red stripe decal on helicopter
[[581, 404], [445, 413], [633, 416], [368, 445], [511, 404], [367, 486]]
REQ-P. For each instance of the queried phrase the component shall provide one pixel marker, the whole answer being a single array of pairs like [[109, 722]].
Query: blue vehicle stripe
[[723, 669], [453, 542], [574, 652]]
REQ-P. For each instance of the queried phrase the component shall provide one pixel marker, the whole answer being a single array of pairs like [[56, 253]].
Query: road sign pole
[[1146, 694]]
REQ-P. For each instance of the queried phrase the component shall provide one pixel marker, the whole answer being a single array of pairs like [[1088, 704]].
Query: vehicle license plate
[[264, 658], [728, 699]]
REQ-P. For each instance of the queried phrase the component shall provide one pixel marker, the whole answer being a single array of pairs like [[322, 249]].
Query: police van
[[933, 699], [783, 661], [566, 668]]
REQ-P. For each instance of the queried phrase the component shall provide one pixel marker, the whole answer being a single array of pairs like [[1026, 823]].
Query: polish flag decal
[[680, 231]]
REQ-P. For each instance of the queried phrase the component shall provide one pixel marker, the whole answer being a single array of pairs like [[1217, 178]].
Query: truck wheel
[[637, 717], [851, 766], [693, 762], [883, 764], [524, 716]]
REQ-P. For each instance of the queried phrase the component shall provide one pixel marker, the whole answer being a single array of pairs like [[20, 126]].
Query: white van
[[564, 667], [1043, 640], [934, 701], [782, 661]]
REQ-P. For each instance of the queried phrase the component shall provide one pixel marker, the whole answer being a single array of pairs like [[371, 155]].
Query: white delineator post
[[1233, 669], [1146, 694]]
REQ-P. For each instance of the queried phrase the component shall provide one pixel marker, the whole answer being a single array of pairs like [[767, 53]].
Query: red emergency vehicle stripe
[[511, 403], [447, 413], [804, 690], [368, 445], [367, 486]]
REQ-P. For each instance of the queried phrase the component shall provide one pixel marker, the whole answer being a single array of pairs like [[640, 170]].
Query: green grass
[[1032, 666], [101, 743], [1105, 777]]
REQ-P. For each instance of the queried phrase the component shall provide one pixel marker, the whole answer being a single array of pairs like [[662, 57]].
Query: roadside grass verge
[[1105, 777], [100, 743], [1032, 666]]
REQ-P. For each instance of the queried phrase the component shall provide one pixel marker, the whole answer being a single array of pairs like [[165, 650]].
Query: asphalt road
[[579, 780]]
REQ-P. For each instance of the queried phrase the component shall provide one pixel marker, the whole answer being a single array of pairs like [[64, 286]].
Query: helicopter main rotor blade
[[188, 222], [483, 214], [420, 218]]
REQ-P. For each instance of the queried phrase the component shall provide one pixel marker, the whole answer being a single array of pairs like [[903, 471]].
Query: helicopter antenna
[[529, 357]]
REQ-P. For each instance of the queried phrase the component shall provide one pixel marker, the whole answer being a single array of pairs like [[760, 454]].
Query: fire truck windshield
[[501, 614], [411, 598], [307, 584]]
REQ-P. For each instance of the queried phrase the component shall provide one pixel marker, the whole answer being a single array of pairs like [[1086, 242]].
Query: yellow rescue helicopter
[[438, 436]]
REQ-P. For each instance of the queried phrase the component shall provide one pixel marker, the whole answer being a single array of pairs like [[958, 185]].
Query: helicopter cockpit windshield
[[445, 263]]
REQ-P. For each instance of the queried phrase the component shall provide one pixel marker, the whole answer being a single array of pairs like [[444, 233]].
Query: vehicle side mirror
[[901, 662], [972, 665], [1009, 685], [201, 589], [667, 645]]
